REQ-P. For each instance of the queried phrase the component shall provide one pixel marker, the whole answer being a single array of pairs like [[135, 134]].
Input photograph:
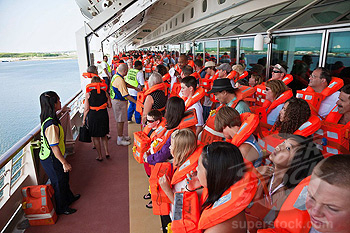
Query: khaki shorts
[[120, 110]]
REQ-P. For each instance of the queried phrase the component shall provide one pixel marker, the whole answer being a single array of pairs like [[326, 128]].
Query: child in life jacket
[[192, 99], [228, 121], [293, 160], [182, 147]]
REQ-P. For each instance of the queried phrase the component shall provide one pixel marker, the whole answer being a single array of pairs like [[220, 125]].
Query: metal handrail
[[10, 153]]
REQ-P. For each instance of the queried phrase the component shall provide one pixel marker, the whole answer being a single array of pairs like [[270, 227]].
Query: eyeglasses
[[149, 121], [276, 71]]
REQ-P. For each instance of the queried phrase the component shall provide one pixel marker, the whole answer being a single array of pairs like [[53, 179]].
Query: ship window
[[295, 6], [221, 1], [183, 17], [227, 51], [338, 55], [248, 56], [192, 12], [211, 48], [271, 10], [204, 5], [300, 53], [171, 24], [166, 27], [175, 22], [320, 15]]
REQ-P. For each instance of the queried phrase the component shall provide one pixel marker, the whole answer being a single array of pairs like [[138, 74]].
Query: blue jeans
[[132, 109]]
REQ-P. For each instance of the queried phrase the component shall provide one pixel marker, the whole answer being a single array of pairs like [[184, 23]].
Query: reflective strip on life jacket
[[288, 78], [232, 202], [31, 217], [186, 213], [242, 76], [96, 86], [148, 68]]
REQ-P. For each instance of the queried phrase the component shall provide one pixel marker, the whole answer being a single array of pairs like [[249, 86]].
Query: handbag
[[84, 134]]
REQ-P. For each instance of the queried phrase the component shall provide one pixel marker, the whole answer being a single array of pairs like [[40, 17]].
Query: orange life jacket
[[209, 134], [242, 76], [270, 139], [232, 74], [177, 68], [186, 213], [189, 121], [232, 202], [141, 96], [89, 75], [250, 122], [175, 90], [148, 68], [37, 205], [263, 111], [190, 63], [207, 81], [142, 142], [97, 86], [196, 75], [160, 201], [335, 137], [288, 78], [314, 99], [189, 165], [293, 216], [197, 96], [166, 77]]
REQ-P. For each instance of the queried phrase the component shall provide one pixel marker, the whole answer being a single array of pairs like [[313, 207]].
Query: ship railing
[[20, 165]]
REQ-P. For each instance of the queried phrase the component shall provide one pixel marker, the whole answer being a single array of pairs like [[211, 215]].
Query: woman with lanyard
[[52, 151], [293, 160]]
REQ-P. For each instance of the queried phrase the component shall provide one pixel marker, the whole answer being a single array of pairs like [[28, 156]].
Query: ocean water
[[22, 83]]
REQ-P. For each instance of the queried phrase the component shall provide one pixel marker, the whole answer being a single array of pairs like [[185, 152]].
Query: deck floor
[[111, 192]]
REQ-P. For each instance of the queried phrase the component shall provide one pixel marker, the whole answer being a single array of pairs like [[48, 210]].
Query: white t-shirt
[[199, 113], [328, 104], [140, 80], [104, 65]]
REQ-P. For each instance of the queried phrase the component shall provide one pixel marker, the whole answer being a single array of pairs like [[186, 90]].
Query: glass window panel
[[271, 10], [245, 26], [228, 51], [296, 5], [338, 55], [300, 53], [248, 56], [249, 15], [268, 23], [198, 50], [211, 49], [320, 15]]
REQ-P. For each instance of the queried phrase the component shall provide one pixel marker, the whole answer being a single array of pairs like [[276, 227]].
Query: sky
[[39, 25]]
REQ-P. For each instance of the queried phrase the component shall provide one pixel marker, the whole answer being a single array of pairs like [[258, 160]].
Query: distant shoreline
[[16, 59]]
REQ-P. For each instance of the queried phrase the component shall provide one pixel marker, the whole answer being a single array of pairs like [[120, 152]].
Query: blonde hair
[[239, 68], [154, 79], [184, 143], [277, 87]]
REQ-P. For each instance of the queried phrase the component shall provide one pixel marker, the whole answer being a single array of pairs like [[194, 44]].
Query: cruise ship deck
[[111, 191]]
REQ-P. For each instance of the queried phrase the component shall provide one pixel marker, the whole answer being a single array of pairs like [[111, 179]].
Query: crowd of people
[[243, 146]]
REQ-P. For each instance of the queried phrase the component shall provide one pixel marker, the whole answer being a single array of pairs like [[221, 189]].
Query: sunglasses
[[276, 71], [149, 121]]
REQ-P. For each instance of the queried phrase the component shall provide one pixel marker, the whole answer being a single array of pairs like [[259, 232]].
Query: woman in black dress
[[95, 112]]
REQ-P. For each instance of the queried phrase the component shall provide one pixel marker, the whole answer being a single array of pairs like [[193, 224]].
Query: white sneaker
[[123, 143], [126, 138]]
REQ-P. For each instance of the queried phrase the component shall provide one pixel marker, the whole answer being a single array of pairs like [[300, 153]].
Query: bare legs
[[97, 143]]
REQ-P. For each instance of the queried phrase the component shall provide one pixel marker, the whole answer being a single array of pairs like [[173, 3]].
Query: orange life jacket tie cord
[[103, 106]]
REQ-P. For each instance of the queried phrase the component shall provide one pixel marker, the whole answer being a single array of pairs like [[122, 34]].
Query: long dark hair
[[175, 111], [225, 166], [48, 100], [306, 157], [297, 113]]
